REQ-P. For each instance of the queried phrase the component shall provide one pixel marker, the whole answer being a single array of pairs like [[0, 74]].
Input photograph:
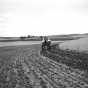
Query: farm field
[[68, 36], [24, 67], [19, 43], [52, 37], [80, 45]]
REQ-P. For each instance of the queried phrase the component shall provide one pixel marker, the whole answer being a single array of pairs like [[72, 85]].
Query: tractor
[[46, 44]]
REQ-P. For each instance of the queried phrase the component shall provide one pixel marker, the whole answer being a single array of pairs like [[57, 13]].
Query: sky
[[43, 17]]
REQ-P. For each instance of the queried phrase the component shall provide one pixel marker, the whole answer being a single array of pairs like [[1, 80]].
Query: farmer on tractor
[[46, 44]]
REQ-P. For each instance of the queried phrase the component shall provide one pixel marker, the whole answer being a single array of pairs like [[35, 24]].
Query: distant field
[[11, 39], [19, 43], [78, 45], [68, 36], [52, 37], [16, 43], [5, 39], [36, 39]]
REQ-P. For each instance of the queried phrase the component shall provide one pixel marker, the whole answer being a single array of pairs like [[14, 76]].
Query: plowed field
[[24, 67]]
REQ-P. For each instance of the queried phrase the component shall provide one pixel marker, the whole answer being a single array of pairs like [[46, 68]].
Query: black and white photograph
[[43, 43]]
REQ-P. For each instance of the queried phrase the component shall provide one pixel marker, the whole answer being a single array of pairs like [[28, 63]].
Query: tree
[[22, 37], [41, 37], [29, 36]]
